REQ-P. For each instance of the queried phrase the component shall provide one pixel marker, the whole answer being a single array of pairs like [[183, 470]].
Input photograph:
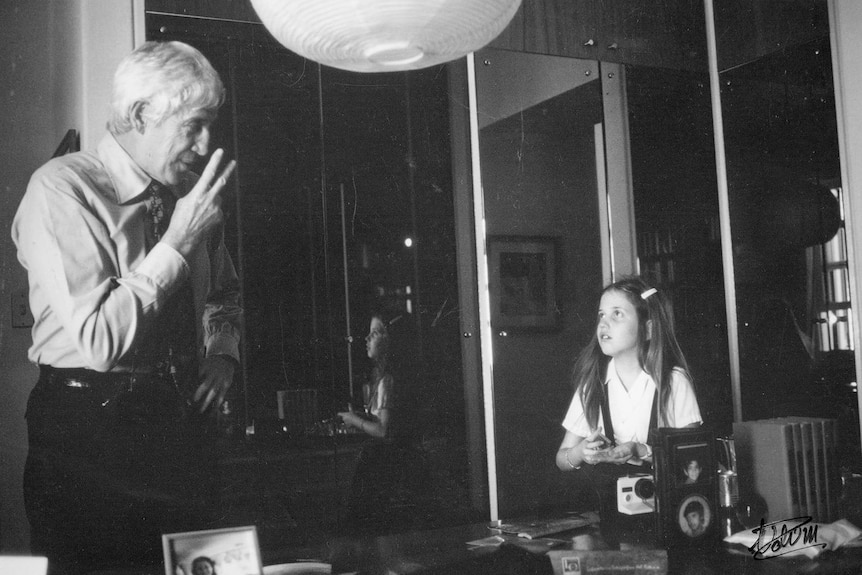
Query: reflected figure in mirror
[[374, 420], [390, 490]]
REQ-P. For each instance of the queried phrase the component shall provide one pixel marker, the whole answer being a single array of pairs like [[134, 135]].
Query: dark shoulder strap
[[653, 418], [606, 415]]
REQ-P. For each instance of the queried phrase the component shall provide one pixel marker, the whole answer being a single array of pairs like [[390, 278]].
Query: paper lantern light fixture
[[384, 35]]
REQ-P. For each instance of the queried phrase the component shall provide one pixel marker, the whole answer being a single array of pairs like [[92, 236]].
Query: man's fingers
[[211, 168], [222, 179], [208, 180], [207, 400]]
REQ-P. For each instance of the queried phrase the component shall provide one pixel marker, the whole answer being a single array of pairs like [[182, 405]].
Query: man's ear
[[136, 116]]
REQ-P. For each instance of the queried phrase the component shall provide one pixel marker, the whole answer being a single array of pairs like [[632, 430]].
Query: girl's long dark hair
[[658, 351], [397, 359], [381, 362]]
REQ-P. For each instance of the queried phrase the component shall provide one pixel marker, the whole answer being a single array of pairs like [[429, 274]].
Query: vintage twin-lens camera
[[636, 494]]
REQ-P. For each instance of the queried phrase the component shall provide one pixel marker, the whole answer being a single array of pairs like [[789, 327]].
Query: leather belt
[[105, 384]]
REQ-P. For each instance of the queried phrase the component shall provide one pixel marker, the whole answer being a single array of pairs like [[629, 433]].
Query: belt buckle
[[75, 383]]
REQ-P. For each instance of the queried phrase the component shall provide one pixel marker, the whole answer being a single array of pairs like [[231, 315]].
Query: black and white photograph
[[692, 463], [215, 552], [694, 516], [343, 286]]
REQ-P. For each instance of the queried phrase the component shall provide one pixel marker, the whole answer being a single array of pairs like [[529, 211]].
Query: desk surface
[[446, 551]]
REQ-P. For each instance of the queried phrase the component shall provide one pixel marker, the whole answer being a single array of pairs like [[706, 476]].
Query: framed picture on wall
[[231, 551], [522, 280]]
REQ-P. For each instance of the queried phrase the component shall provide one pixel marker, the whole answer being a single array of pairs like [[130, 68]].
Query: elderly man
[[137, 321]]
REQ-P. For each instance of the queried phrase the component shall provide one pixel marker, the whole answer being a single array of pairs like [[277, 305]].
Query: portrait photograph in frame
[[686, 487], [522, 280], [231, 551], [690, 462]]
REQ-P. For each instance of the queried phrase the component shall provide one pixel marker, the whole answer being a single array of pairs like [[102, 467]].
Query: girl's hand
[[349, 418], [625, 451], [622, 453], [595, 448]]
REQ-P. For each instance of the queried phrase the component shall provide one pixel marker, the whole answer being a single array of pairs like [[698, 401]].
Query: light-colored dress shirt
[[631, 409], [94, 288]]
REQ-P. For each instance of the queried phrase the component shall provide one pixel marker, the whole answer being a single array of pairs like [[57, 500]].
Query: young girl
[[389, 491], [379, 394], [631, 378]]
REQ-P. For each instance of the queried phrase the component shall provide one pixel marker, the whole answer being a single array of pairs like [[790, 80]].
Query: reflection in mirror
[[540, 121], [676, 217], [343, 206], [786, 207]]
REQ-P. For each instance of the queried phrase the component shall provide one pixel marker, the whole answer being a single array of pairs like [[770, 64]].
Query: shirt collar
[[643, 379], [130, 181]]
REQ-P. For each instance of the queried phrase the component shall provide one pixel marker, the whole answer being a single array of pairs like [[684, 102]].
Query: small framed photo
[[691, 461], [232, 551], [522, 277], [686, 486], [694, 516]]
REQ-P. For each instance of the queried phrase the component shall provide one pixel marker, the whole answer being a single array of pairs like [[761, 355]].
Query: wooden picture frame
[[522, 280], [687, 511], [233, 551]]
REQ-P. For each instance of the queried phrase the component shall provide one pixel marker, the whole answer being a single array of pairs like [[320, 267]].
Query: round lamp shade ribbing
[[384, 35]]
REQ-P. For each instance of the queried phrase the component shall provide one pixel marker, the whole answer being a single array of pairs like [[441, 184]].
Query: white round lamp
[[384, 35]]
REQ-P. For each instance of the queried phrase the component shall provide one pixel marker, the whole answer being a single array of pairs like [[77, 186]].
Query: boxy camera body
[[636, 494]]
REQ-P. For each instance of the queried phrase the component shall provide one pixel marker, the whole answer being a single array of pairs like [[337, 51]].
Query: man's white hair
[[168, 77]]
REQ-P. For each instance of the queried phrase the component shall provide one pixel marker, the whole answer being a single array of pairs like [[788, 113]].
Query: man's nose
[[202, 142]]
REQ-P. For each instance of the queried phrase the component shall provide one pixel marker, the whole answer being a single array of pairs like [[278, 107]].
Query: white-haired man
[[137, 320]]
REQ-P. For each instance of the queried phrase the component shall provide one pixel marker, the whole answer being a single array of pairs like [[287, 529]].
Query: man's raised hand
[[199, 211]]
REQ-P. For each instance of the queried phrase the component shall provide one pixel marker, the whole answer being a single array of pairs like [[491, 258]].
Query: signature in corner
[[778, 538]]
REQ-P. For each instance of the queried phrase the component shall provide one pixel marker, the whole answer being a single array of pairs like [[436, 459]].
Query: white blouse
[[631, 409]]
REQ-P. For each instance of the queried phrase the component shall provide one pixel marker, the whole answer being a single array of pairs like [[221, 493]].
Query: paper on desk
[[793, 538], [535, 528], [492, 541]]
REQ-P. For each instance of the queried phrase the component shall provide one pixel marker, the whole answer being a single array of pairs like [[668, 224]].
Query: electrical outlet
[[21, 316]]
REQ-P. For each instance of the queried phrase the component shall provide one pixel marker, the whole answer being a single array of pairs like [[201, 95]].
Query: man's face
[[695, 521], [169, 150], [202, 568]]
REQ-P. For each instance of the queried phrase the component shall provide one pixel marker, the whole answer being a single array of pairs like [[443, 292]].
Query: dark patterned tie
[[174, 336]]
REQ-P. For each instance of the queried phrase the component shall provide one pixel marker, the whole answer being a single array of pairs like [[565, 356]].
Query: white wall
[[53, 54]]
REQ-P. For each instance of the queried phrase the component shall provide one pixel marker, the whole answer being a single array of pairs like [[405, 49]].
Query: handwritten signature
[[785, 536]]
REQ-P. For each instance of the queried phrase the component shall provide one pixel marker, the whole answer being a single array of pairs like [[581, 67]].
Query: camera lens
[[645, 488]]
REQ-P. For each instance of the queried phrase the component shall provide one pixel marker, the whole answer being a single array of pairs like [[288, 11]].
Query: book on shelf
[[827, 470], [792, 463], [766, 458], [802, 486]]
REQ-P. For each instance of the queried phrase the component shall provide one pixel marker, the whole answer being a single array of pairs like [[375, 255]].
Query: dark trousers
[[391, 489], [114, 462]]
